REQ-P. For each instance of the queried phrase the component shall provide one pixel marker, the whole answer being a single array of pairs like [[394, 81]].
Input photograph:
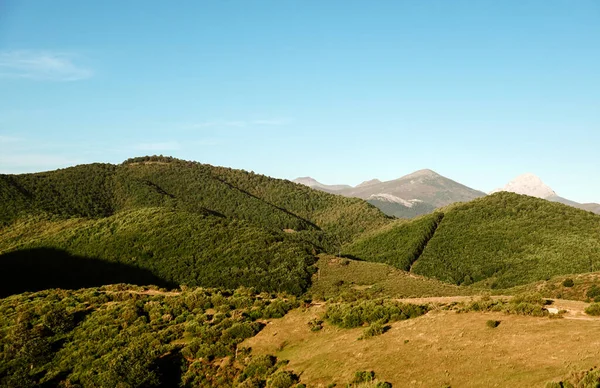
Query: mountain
[[530, 184], [314, 184], [409, 196], [176, 221], [500, 240]]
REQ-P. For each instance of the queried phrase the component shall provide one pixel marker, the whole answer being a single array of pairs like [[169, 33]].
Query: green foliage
[[583, 379], [282, 379], [366, 379], [593, 292], [119, 336], [315, 324], [356, 314], [507, 239], [399, 245], [526, 304], [492, 324], [568, 282], [185, 222], [363, 377], [374, 330], [593, 309]]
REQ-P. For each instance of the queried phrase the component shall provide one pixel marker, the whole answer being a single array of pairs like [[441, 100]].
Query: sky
[[342, 91]]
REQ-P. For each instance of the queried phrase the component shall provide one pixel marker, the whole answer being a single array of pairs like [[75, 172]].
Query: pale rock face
[[528, 184], [391, 198]]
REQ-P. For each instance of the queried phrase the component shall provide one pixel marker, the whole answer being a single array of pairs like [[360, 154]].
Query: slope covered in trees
[[501, 240], [185, 222], [121, 336]]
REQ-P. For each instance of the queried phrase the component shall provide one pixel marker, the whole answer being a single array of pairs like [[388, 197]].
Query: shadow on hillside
[[42, 268]]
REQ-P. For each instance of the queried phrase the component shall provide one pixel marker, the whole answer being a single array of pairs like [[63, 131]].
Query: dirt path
[[446, 299], [574, 309]]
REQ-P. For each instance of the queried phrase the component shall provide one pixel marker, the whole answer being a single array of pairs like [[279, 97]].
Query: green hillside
[[501, 240], [184, 222], [398, 244], [122, 336]]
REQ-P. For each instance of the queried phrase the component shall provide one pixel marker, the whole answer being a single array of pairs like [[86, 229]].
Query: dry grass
[[364, 279], [438, 349], [554, 287]]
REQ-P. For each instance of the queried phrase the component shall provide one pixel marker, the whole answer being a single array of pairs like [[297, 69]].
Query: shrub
[[282, 379], [315, 324], [374, 330], [593, 292], [492, 323], [363, 377], [593, 309], [350, 315], [568, 282]]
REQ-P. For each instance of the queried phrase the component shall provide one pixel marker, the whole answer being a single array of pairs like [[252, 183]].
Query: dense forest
[[184, 222], [498, 241]]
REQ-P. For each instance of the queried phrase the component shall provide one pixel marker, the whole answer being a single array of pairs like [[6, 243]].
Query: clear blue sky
[[343, 91]]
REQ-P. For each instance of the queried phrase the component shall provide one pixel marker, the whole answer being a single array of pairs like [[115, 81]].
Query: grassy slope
[[350, 279], [554, 287], [439, 349], [186, 222]]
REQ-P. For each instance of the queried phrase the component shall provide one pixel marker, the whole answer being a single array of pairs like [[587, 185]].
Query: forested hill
[[501, 240], [184, 222]]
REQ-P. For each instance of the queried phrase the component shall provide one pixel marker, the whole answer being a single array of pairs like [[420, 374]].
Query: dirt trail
[[574, 309]]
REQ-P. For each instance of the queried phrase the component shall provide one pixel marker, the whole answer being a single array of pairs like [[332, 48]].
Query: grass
[[350, 279], [556, 289], [442, 348]]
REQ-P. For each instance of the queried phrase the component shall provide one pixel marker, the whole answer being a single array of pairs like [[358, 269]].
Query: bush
[[492, 323], [315, 324], [593, 309], [282, 379], [593, 292], [568, 282], [363, 377], [374, 330], [350, 315]]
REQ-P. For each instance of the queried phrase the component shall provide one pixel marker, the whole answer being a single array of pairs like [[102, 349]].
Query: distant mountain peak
[[528, 184], [307, 181], [314, 184], [425, 173], [369, 183]]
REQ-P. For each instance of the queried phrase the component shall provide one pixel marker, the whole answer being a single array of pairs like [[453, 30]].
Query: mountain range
[[425, 190], [409, 196]]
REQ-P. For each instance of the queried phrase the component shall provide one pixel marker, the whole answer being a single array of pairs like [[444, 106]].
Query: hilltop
[[176, 221]]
